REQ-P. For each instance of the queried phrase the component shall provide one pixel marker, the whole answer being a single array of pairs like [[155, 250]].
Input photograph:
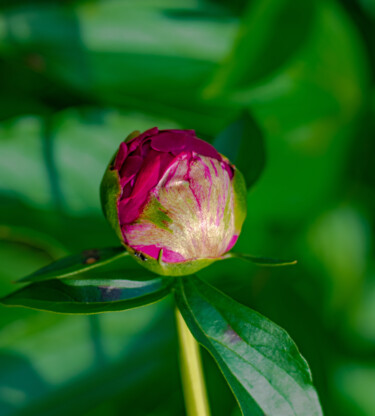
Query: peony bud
[[176, 204]]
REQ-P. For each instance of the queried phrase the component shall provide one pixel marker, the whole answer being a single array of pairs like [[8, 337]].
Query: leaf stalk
[[193, 384]]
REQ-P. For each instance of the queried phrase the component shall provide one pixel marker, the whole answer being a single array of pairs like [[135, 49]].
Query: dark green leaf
[[258, 359], [243, 143], [261, 261], [90, 295], [78, 263]]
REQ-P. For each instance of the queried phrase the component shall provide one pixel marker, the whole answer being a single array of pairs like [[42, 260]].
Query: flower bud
[[176, 204]]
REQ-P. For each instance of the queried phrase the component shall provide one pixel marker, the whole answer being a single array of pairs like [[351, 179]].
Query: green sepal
[[240, 202], [260, 261], [132, 135], [169, 269], [110, 192]]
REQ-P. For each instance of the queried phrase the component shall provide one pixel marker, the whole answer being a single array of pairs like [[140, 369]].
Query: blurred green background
[[288, 83]]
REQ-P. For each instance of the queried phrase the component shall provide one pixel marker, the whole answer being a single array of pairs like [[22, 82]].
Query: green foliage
[[95, 294], [70, 266], [286, 90], [259, 360], [241, 139], [261, 261]]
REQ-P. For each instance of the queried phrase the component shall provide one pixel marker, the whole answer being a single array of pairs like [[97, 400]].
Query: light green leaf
[[259, 360]]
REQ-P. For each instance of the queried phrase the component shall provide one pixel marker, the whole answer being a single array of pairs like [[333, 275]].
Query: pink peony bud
[[176, 203]]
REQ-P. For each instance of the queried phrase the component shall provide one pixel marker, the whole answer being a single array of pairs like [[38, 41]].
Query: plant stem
[[191, 371]]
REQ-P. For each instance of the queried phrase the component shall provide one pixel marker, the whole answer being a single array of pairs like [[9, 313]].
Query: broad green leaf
[[266, 23], [306, 140], [84, 141], [89, 295], [261, 261], [354, 382], [22, 161], [259, 360], [60, 162], [53, 364], [70, 266], [243, 143], [336, 248], [115, 49]]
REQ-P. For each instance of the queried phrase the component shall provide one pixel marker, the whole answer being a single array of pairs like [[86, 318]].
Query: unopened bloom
[[176, 203]]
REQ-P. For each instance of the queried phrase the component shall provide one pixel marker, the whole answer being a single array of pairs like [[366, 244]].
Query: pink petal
[[133, 144], [148, 175], [228, 168], [203, 148], [187, 132], [169, 142], [129, 210], [131, 166], [121, 155], [232, 242], [169, 256]]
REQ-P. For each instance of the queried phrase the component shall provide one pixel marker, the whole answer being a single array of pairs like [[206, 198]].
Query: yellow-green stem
[[191, 371]]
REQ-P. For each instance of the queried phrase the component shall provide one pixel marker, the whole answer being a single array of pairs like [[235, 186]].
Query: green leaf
[[109, 56], [261, 261], [243, 143], [61, 364], [259, 360], [70, 266], [89, 295], [266, 23]]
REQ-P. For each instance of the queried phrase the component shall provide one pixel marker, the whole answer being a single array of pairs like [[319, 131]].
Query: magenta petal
[[148, 176], [130, 167], [203, 148], [152, 250], [186, 132], [133, 144], [153, 167], [169, 142], [149, 132], [145, 147], [129, 210], [165, 162], [121, 155], [126, 189], [228, 168], [232, 242], [169, 256]]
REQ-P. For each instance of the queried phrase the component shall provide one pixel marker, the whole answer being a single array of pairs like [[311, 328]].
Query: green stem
[[191, 371]]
